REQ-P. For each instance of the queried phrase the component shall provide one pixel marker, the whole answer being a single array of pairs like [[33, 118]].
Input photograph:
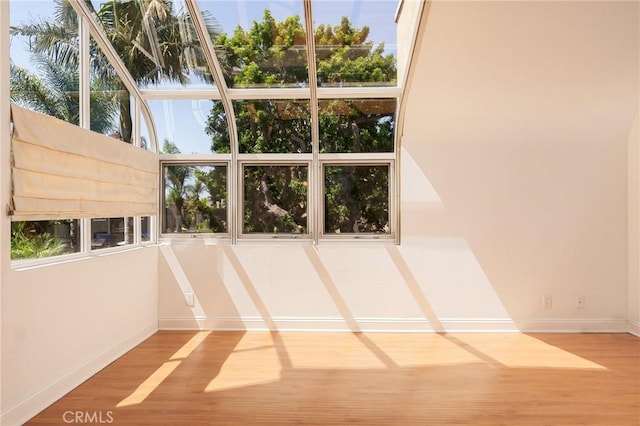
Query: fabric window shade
[[62, 171]]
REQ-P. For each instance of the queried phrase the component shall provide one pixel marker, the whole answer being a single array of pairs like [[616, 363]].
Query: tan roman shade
[[62, 171]]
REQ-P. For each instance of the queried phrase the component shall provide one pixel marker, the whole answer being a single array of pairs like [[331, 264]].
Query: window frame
[[190, 160], [267, 160], [391, 197]]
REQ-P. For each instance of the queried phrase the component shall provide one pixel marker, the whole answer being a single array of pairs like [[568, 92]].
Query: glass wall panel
[[190, 126], [111, 232], [355, 42], [263, 43], [273, 126], [356, 199], [157, 42], [111, 106], [44, 70], [195, 198], [275, 199], [357, 125], [45, 238]]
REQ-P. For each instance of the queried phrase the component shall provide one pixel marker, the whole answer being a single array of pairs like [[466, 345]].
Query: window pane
[[357, 125], [111, 232], [195, 199], [263, 44], [145, 228], [356, 199], [359, 50], [196, 126], [37, 239], [145, 139], [111, 106], [157, 42], [275, 199], [44, 70], [273, 126]]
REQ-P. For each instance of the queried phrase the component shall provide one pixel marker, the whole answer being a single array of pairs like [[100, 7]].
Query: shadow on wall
[[323, 288]]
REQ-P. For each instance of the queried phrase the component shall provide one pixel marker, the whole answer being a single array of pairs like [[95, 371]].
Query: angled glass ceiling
[[157, 41], [239, 58], [257, 43]]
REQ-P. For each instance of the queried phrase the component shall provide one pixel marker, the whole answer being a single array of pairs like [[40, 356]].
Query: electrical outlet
[[188, 298], [546, 301], [580, 302]]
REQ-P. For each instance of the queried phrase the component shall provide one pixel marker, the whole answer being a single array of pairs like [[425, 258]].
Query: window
[[45, 238], [275, 199], [356, 199], [285, 129], [111, 232], [273, 126], [195, 198]]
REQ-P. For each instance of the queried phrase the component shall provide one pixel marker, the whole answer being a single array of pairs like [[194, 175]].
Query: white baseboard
[[53, 389], [396, 324], [634, 328]]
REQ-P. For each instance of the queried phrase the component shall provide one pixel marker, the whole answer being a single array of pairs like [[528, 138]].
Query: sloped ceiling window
[[263, 43], [355, 43], [157, 42]]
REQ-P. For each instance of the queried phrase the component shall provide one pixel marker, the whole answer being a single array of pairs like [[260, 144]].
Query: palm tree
[[175, 184], [155, 43], [53, 90]]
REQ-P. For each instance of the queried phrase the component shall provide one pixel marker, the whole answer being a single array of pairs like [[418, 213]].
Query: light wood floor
[[262, 378]]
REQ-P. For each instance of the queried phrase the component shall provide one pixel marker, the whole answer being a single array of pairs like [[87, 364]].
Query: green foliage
[[269, 54], [197, 196], [53, 90], [30, 244], [357, 199], [275, 199], [273, 54]]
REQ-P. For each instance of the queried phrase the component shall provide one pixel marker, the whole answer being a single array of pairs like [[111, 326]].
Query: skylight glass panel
[[196, 126], [157, 42], [355, 42], [263, 43], [45, 58]]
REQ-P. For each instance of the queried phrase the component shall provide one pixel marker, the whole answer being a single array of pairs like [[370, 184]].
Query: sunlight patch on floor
[[157, 377], [524, 351], [144, 390], [254, 361]]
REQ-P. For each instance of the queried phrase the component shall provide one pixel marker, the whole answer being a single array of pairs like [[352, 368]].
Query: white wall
[[634, 227], [63, 323], [519, 119], [514, 177]]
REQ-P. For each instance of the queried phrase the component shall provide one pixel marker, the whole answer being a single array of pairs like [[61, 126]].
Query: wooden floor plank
[[289, 378]]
